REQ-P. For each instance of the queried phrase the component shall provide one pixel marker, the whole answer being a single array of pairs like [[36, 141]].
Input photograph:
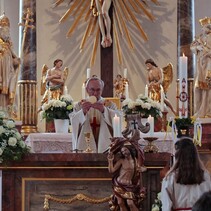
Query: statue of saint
[[9, 64], [201, 46], [119, 87], [126, 163]]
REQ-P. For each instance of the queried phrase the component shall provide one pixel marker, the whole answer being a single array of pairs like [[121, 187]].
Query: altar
[[70, 181], [62, 143]]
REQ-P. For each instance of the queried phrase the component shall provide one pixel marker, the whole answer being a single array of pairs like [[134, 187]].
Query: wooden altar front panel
[[26, 183]]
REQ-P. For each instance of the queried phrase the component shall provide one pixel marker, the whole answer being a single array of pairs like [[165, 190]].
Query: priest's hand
[[86, 105], [99, 106]]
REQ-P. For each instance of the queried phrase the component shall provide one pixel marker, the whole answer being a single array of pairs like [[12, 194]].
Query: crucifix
[[135, 124], [114, 15]]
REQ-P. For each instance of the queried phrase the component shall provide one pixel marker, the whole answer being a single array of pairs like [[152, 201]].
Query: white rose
[[1, 151], [2, 114], [155, 208], [22, 144], [18, 135], [12, 141], [1, 130], [159, 196], [10, 124], [67, 98]]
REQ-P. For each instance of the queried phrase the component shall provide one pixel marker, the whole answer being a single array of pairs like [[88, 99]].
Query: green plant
[[57, 109], [183, 122], [142, 105], [12, 145]]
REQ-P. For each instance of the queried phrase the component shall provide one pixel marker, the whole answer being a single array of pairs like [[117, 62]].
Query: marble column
[[185, 24], [27, 82]]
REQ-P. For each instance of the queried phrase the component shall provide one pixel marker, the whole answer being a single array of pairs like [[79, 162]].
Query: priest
[[93, 116]]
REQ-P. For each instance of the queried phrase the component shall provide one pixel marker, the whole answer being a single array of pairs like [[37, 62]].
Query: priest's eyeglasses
[[94, 90]]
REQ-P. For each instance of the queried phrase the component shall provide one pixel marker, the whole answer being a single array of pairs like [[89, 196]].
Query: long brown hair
[[188, 166]]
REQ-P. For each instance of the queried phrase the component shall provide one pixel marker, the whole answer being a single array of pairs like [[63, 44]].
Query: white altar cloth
[[50, 142], [62, 143]]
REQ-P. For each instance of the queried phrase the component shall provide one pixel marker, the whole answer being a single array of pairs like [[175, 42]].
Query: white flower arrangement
[[143, 105], [57, 109], [12, 145]]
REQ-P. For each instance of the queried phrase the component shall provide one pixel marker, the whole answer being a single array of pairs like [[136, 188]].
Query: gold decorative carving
[[77, 197], [205, 21]]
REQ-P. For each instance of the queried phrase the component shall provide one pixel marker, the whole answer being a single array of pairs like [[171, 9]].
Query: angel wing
[[65, 73], [43, 79], [167, 76]]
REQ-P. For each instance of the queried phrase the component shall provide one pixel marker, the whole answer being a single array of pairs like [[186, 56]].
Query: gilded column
[[185, 24], [27, 83]]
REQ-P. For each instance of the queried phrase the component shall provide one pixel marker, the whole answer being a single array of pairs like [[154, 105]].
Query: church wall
[[52, 44]]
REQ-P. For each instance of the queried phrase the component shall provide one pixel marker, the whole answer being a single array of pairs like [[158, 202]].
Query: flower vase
[[61, 125]]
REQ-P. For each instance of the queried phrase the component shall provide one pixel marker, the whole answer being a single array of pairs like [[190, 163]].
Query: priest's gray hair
[[95, 79]]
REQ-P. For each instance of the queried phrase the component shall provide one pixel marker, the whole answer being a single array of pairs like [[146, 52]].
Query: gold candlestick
[[150, 147]]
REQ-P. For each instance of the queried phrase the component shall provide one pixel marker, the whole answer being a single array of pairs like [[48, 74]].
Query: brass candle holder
[[150, 147]]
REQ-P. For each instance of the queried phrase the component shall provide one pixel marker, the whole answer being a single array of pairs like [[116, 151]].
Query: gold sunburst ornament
[[96, 14]]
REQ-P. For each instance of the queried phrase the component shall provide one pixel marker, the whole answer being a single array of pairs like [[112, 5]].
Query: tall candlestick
[[183, 96], [83, 91], [88, 73], [151, 122], [65, 90], [116, 126], [146, 91], [125, 73], [161, 98], [126, 91]]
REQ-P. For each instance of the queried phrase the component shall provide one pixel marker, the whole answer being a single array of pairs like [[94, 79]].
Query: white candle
[[151, 122], [125, 73], [83, 91], [146, 91], [88, 73], [183, 96], [126, 91], [161, 98], [116, 126], [65, 90]]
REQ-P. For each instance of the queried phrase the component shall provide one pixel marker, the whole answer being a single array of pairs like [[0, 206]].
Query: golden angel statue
[[9, 65], [52, 81], [157, 78]]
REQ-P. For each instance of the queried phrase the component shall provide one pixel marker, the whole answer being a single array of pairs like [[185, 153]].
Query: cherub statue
[[126, 162], [52, 81]]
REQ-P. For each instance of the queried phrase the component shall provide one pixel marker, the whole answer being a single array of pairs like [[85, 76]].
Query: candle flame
[[183, 55]]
